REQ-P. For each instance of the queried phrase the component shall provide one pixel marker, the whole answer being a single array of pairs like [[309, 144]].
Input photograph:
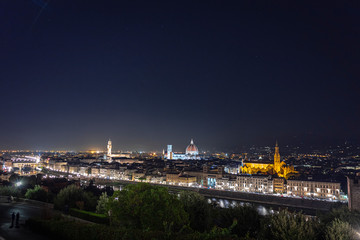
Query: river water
[[225, 203], [263, 209]]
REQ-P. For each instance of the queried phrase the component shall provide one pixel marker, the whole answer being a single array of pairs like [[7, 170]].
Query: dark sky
[[151, 73]]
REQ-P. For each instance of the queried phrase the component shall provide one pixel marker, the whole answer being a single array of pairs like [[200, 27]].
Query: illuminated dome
[[192, 149]]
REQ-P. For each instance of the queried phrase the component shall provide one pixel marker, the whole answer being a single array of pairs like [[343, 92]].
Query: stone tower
[[109, 146], [277, 165], [169, 152], [354, 192]]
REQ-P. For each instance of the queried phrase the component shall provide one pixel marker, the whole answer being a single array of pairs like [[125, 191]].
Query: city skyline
[[179, 119], [147, 75], [288, 148]]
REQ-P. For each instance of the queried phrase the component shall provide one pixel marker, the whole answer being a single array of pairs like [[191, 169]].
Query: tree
[[71, 196], [37, 193], [343, 214], [93, 189], [198, 209], [339, 230], [9, 191], [28, 181], [14, 178], [295, 226], [147, 207], [102, 206], [247, 218]]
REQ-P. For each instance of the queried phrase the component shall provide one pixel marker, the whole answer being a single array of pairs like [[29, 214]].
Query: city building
[[353, 187], [277, 167], [180, 179], [73, 169], [254, 183], [5, 177], [191, 153], [232, 169], [208, 176], [226, 183], [314, 189], [279, 185], [138, 176], [109, 147], [111, 156], [266, 177]]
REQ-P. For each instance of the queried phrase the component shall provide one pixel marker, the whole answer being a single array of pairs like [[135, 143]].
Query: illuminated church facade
[[191, 152], [277, 167]]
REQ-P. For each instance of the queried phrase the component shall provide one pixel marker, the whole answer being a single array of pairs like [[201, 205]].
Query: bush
[[147, 207], [198, 209], [37, 193], [247, 218], [89, 216], [295, 226], [71, 197], [28, 181], [343, 214], [339, 230], [70, 230], [9, 191], [14, 178], [103, 204]]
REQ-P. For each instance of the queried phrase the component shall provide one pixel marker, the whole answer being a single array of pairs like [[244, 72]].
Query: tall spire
[[192, 141], [109, 146], [277, 158]]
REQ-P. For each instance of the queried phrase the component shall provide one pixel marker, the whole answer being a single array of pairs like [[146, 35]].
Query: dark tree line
[[146, 210]]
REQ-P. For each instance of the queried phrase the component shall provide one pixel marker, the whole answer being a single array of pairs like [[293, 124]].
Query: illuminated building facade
[[329, 190], [192, 149], [111, 157], [254, 183], [191, 152], [279, 185], [208, 177], [180, 179], [226, 183], [109, 147], [277, 162], [277, 167]]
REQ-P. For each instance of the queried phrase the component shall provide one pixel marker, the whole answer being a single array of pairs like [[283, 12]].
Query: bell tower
[[277, 158], [109, 146], [169, 152]]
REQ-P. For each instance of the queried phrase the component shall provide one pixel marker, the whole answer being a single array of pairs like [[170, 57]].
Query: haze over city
[[147, 74]]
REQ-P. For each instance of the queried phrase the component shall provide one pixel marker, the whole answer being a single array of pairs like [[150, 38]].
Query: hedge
[[59, 229], [71, 230], [89, 216]]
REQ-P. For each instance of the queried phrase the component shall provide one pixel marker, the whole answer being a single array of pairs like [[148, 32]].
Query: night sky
[[151, 73]]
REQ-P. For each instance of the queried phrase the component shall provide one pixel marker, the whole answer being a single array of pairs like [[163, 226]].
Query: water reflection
[[224, 203]]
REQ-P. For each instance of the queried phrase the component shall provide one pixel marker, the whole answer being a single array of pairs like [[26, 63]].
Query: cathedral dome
[[192, 149]]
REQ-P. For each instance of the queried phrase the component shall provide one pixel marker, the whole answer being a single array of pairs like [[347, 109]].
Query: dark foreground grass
[[71, 230]]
